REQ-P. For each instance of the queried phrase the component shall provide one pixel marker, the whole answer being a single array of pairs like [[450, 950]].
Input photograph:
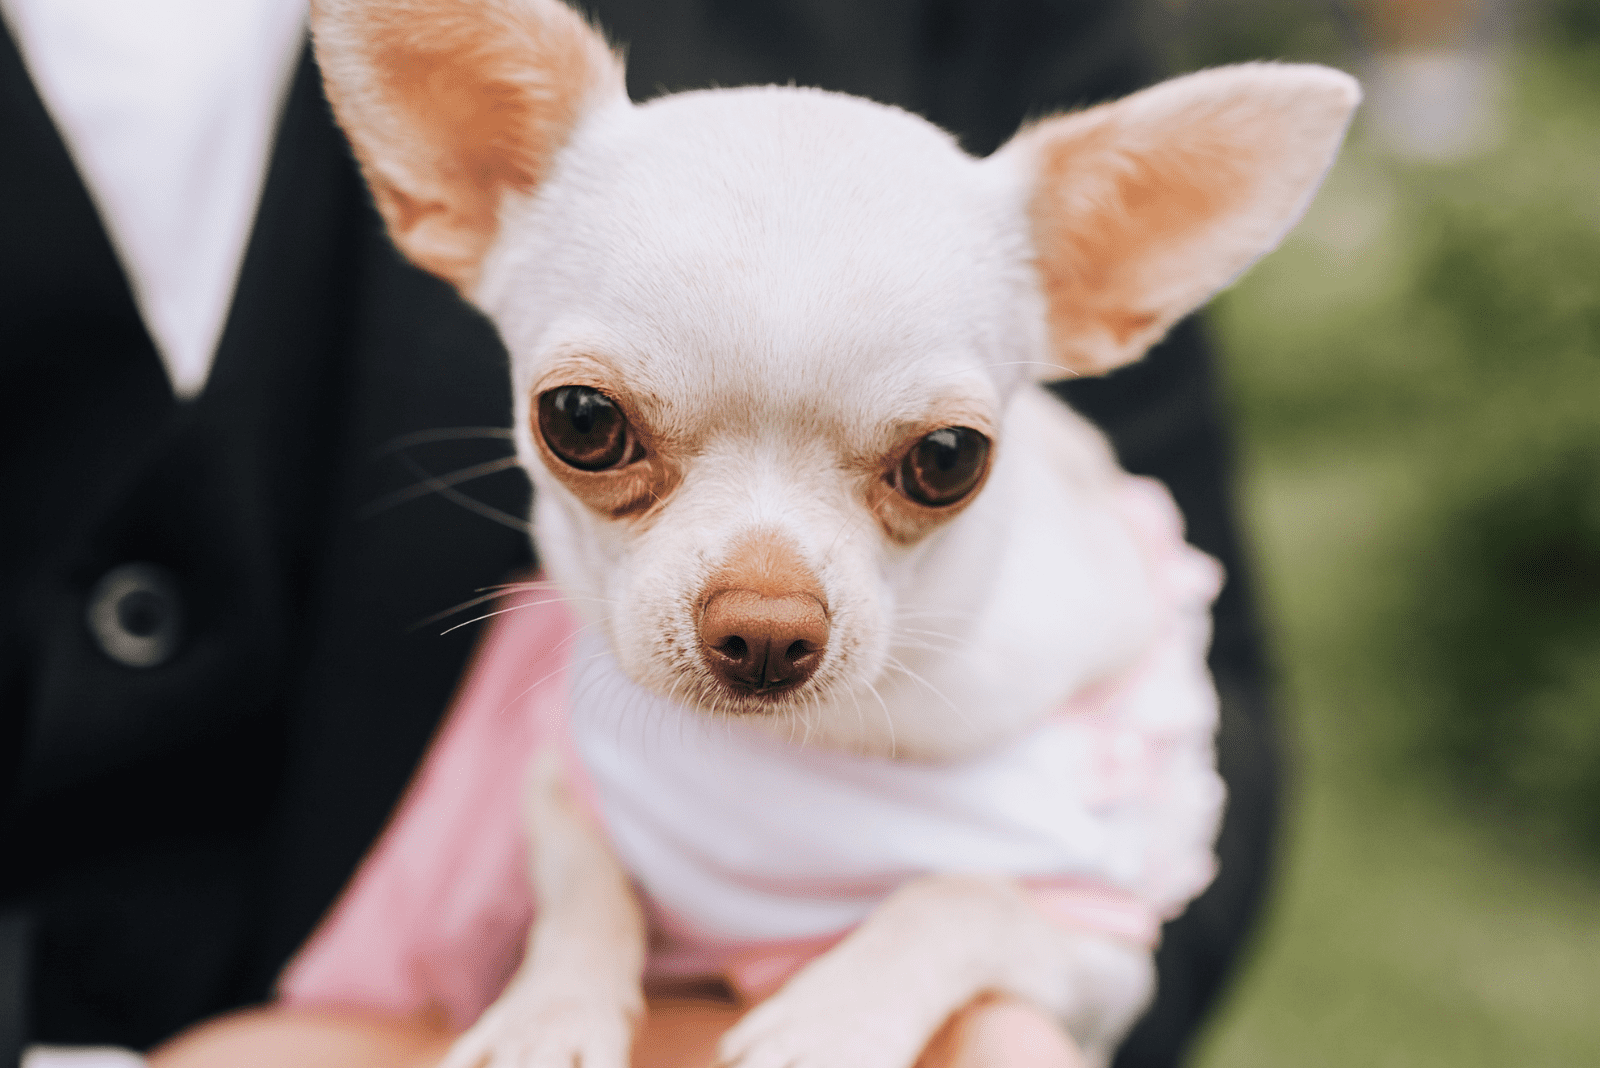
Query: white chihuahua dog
[[774, 354]]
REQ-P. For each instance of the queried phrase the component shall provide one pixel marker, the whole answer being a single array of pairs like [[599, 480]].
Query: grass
[[1415, 374]]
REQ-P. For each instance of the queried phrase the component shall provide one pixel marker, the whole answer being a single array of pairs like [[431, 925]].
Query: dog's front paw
[[825, 1020], [529, 1029]]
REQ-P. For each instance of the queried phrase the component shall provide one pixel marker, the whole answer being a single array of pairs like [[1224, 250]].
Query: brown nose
[[761, 644]]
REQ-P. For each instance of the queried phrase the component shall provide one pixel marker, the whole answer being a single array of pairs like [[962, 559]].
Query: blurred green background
[[1415, 378]]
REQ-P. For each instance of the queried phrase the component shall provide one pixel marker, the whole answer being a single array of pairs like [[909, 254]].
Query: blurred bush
[[1501, 619], [1505, 623], [1573, 21], [1429, 344], [1415, 378]]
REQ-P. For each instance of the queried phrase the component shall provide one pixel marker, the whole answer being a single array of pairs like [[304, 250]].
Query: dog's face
[[756, 370], [764, 340]]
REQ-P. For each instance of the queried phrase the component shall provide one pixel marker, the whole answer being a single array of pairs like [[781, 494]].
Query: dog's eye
[[944, 466], [583, 427]]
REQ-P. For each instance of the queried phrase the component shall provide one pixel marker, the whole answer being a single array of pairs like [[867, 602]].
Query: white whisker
[[489, 593], [516, 608], [448, 433], [887, 718], [547, 676], [525, 584], [471, 504], [861, 719], [895, 663], [437, 482]]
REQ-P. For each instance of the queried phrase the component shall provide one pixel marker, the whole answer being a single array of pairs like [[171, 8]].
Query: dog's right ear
[[452, 104]]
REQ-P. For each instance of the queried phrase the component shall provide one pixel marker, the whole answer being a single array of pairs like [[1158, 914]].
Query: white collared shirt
[[169, 108]]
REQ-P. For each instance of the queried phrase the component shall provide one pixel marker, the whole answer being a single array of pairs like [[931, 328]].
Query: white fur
[[576, 998], [782, 284]]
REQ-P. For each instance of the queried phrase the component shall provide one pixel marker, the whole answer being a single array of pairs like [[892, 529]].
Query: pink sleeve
[[435, 918]]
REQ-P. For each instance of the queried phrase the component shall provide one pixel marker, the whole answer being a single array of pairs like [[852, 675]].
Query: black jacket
[[169, 833]]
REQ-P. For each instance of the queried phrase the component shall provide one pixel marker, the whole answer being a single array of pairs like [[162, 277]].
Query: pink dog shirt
[[752, 855]]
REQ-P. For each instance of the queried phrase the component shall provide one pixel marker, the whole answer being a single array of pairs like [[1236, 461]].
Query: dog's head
[[763, 340]]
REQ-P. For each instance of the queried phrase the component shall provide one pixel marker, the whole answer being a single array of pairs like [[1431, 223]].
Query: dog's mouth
[[761, 699]]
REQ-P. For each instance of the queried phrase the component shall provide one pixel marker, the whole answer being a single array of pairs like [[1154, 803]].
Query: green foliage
[[1505, 620], [1208, 33], [1575, 21], [1446, 367], [1501, 621], [1516, 289], [1416, 380]]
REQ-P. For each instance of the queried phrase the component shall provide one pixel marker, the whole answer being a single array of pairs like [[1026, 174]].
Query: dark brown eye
[[944, 466], [583, 427]]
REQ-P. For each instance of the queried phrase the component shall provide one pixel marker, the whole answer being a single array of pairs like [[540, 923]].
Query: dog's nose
[[763, 644]]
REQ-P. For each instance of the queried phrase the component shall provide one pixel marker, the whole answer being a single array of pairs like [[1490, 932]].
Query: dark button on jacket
[[136, 615]]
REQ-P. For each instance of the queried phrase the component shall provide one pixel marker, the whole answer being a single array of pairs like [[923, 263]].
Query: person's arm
[[676, 1033], [277, 1037]]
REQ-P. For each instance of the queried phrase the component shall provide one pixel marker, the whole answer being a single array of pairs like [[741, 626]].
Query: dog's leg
[[876, 999], [576, 999]]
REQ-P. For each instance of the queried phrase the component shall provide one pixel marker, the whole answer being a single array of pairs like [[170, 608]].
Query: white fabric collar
[[739, 836], [169, 109]]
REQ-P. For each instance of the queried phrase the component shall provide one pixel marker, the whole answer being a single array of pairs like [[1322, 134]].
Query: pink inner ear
[[1107, 213], [486, 94], [1144, 208]]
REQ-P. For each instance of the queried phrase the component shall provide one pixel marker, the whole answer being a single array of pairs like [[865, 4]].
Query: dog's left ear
[[1143, 208], [452, 104]]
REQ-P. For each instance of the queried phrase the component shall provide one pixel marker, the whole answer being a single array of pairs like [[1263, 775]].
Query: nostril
[[761, 644]]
